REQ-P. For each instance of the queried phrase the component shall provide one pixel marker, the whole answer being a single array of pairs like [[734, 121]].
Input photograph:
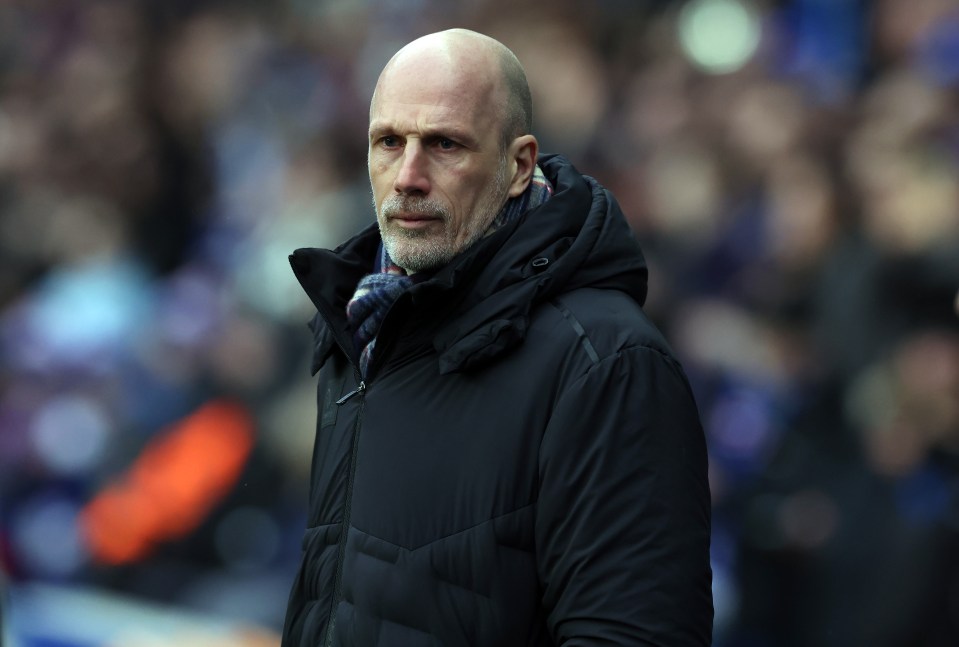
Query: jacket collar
[[578, 238]]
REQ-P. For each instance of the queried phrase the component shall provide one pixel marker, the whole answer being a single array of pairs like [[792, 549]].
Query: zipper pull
[[359, 389]]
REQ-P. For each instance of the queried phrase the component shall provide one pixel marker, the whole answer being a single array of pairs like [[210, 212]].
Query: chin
[[416, 255]]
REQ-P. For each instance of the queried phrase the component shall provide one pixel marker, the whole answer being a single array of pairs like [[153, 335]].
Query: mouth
[[414, 220]]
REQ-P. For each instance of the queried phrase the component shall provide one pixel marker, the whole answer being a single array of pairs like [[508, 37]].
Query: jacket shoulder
[[610, 321]]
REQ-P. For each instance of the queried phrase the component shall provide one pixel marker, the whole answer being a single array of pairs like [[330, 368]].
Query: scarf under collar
[[376, 292]]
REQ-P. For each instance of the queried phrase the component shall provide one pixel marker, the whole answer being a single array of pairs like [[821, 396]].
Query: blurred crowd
[[799, 211]]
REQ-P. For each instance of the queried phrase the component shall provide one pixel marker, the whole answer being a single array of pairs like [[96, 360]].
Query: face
[[437, 170]]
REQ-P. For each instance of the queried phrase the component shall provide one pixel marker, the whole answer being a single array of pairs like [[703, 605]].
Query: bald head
[[449, 145], [480, 61]]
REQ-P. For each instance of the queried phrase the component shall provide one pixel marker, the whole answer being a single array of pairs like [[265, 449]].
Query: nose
[[412, 176]]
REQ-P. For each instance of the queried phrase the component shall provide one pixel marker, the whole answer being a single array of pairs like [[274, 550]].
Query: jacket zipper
[[347, 510], [359, 389]]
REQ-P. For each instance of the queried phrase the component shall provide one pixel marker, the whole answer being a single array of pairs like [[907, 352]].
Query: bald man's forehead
[[472, 55], [466, 58], [441, 76]]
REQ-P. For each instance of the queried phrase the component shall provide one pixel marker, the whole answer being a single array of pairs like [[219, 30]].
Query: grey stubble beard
[[415, 250]]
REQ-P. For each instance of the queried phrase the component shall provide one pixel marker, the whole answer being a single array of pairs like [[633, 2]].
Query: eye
[[390, 141], [446, 143]]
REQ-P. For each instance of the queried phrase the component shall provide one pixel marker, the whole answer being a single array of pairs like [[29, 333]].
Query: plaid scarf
[[376, 292]]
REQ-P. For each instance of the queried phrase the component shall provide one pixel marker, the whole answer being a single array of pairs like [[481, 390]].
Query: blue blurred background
[[791, 168]]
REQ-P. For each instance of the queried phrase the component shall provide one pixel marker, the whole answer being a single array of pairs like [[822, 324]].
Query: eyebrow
[[433, 132]]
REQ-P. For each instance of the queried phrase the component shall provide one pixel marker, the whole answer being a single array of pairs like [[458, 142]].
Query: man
[[506, 451]]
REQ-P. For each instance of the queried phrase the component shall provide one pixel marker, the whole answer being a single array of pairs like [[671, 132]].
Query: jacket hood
[[578, 238]]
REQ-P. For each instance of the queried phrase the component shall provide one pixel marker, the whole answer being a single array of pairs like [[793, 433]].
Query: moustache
[[404, 204]]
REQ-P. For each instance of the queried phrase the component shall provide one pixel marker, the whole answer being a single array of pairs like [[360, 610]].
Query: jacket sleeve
[[623, 519]]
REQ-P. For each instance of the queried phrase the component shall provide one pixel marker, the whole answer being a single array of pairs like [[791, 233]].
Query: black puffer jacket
[[524, 465]]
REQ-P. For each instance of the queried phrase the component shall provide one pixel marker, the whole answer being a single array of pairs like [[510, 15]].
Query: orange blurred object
[[171, 487]]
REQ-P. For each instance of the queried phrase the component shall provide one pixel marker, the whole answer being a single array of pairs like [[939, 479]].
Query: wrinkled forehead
[[465, 82]]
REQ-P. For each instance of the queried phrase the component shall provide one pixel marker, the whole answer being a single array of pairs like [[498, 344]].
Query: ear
[[522, 157]]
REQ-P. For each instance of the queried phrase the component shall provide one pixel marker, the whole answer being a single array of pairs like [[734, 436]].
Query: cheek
[[380, 167], [468, 213], [468, 191], [380, 187]]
